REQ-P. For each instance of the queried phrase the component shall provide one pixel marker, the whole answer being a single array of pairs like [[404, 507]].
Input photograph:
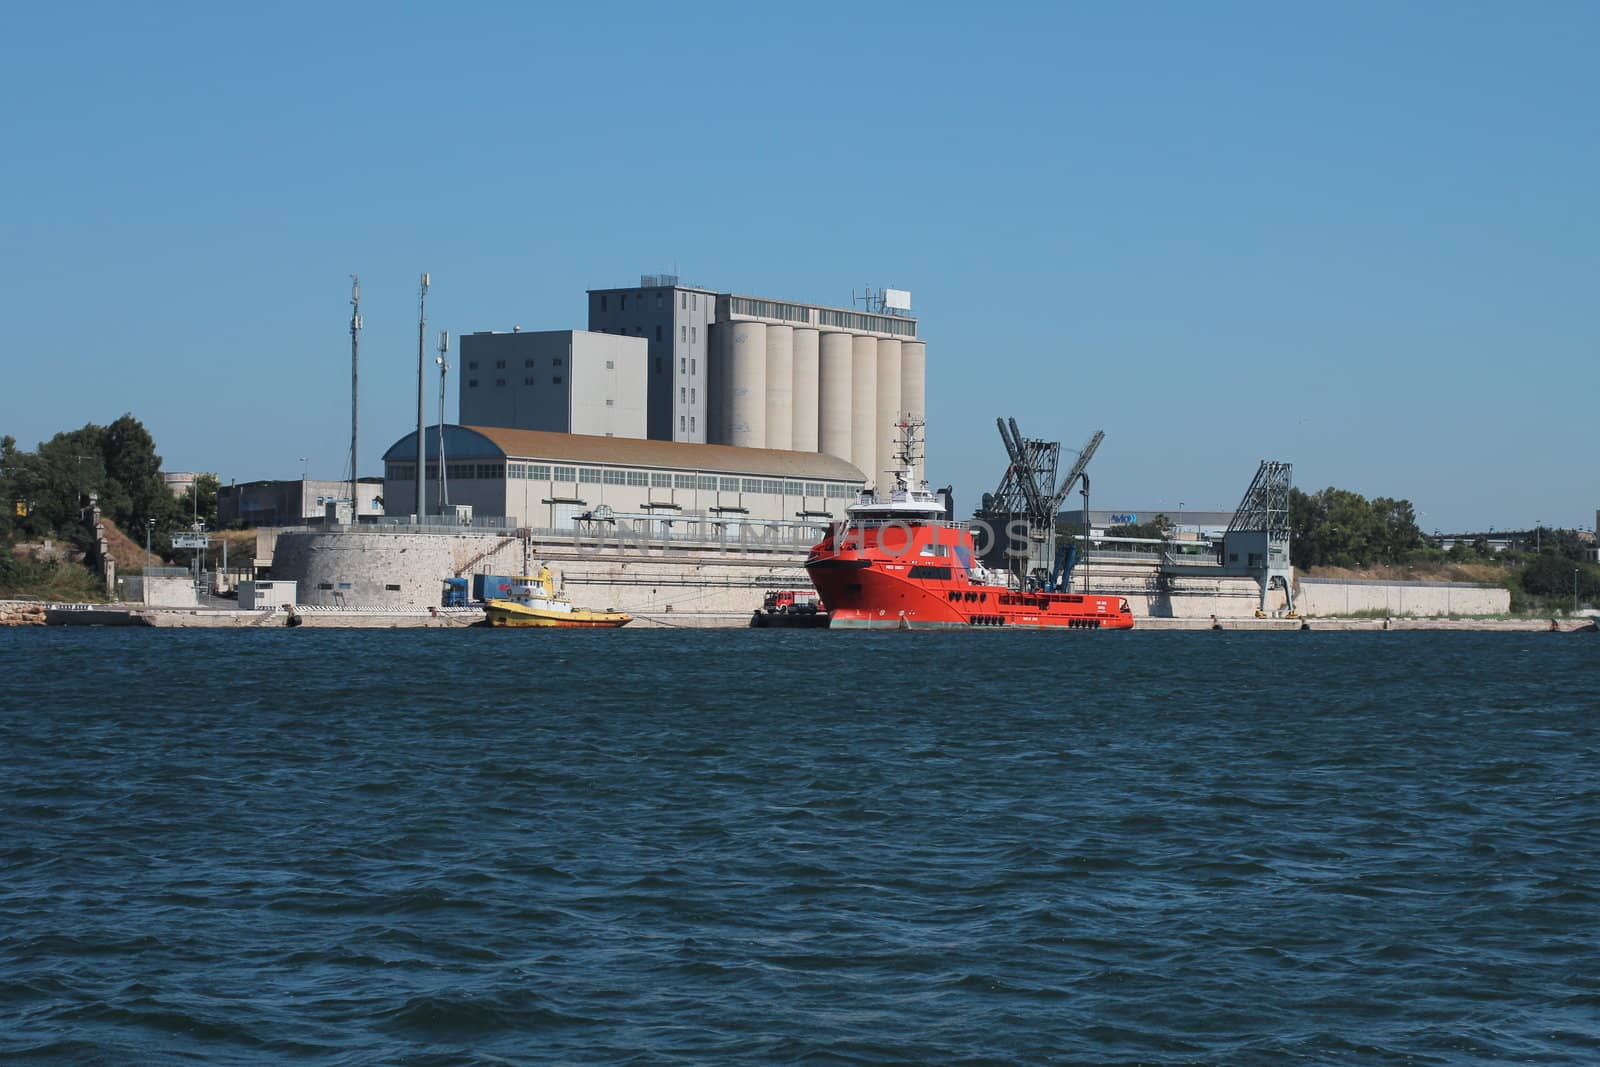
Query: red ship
[[899, 563]]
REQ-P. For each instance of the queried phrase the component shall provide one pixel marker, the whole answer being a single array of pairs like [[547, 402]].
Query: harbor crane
[[1021, 513]]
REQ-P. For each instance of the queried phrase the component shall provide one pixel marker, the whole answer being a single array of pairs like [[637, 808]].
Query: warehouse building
[[753, 372], [567, 483], [561, 381]]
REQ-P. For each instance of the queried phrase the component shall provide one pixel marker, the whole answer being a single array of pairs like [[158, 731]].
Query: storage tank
[[747, 384], [864, 407], [888, 405], [803, 417], [835, 381], [780, 387], [913, 386]]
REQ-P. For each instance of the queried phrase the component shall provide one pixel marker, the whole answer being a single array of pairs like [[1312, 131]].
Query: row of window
[[854, 320], [691, 301], [770, 309], [500, 364], [472, 383], [538, 472]]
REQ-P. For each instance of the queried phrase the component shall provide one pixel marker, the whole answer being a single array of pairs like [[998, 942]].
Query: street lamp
[[305, 469], [149, 528], [1575, 590]]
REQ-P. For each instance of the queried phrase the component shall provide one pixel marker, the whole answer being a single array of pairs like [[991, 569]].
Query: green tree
[[205, 487]]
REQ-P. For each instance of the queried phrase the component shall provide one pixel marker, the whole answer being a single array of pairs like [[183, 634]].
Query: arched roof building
[[555, 481]]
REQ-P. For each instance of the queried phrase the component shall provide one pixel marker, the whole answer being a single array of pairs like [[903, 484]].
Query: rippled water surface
[[764, 846]]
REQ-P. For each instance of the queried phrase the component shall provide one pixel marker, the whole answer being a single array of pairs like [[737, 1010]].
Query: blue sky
[[1361, 239]]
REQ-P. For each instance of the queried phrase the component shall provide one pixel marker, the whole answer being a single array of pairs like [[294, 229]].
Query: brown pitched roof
[[632, 452]]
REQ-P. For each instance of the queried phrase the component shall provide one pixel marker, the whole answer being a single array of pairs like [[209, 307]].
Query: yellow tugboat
[[535, 602]]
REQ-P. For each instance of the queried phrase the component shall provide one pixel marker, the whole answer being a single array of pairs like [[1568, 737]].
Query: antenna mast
[[422, 450], [355, 381], [444, 368]]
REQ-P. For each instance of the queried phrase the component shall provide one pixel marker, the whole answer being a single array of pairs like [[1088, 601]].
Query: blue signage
[[1128, 519]]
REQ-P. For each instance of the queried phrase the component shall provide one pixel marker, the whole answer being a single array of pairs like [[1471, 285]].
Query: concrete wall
[[608, 385], [1337, 596], [159, 591], [365, 569]]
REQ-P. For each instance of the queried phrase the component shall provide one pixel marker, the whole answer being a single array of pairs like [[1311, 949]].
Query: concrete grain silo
[[780, 387], [747, 385], [804, 413], [836, 382], [913, 385], [864, 407], [888, 404]]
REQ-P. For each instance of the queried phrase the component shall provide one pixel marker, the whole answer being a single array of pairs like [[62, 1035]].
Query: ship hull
[[503, 613], [868, 594]]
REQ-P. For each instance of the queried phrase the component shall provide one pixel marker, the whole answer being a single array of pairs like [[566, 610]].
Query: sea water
[[674, 846]]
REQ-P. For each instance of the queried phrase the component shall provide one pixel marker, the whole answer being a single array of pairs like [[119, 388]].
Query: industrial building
[[754, 372], [297, 502], [562, 381], [557, 482]]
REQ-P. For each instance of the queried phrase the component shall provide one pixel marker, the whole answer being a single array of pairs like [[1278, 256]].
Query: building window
[[683, 334], [527, 363], [658, 364], [527, 381], [591, 475], [682, 394], [707, 481], [499, 381], [500, 364], [658, 299], [638, 478], [685, 298], [622, 302], [680, 422], [556, 380], [557, 361], [691, 423], [691, 365], [473, 365], [682, 364], [324, 585], [616, 477], [472, 383], [609, 402], [661, 481], [658, 331], [691, 396], [611, 364], [392, 588], [564, 474], [694, 335]]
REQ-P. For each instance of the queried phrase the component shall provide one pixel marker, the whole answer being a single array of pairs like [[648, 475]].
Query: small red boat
[[899, 563]]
